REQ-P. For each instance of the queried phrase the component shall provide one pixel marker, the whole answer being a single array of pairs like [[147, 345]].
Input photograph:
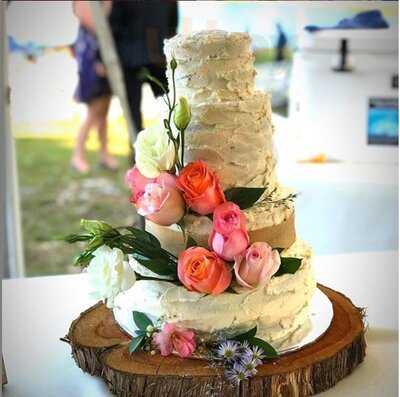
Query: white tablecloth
[[38, 311]]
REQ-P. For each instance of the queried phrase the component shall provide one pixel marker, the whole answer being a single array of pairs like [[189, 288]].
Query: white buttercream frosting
[[279, 310], [235, 139], [212, 65], [231, 126]]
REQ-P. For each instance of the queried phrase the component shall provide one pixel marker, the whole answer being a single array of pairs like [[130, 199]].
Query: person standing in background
[[139, 29], [92, 89]]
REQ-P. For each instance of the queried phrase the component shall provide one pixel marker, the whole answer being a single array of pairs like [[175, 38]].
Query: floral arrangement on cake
[[164, 190]]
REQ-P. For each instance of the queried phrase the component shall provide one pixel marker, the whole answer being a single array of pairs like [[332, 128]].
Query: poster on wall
[[383, 121]]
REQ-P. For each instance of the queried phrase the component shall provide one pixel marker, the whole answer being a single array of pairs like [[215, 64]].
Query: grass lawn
[[54, 198]]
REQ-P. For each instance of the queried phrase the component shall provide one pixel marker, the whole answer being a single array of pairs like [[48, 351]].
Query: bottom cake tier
[[280, 310]]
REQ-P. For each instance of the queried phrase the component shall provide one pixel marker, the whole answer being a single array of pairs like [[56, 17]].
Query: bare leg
[[78, 160], [101, 121]]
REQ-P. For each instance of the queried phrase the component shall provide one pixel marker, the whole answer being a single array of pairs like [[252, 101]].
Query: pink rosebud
[[175, 339], [136, 182], [227, 247], [203, 271], [229, 236], [228, 217], [161, 204], [256, 265]]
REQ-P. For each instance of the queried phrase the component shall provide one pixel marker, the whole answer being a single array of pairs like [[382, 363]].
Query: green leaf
[[95, 242], [141, 320], [288, 266], [247, 335], [144, 236], [83, 259], [136, 342], [158, 266], [244, 197], [269, 351], [280, 250], [191, 242], [146, 75]]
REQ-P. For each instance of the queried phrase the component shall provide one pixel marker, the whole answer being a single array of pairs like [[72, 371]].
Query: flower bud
[[95, 227], [182, 114], [173, 64]]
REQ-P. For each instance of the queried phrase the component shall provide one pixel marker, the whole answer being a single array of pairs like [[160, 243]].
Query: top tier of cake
[[231, 127], [213, 65]]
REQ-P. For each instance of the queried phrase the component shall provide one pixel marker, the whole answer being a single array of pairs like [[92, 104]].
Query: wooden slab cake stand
[[100, 348]]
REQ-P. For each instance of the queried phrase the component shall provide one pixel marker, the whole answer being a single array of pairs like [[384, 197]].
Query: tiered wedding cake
[[231, 130], [219, 274]]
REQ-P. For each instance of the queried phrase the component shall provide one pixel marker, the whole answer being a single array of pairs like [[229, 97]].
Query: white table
[[38, 311]]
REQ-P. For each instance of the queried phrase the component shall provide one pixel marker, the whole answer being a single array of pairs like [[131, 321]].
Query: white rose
[[109, 274], [154, 152]]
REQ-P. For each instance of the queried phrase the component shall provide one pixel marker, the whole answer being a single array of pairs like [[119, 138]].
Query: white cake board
[[321, 315]]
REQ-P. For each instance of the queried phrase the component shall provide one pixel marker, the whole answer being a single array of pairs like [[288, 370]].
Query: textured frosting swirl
[[235, 139]]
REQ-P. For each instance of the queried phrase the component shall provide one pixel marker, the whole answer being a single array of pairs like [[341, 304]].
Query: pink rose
[[137, 182], [228, 247], [256, 265], [161, 204], [175, 339], [228, 217], [229, 236], [203, 271]]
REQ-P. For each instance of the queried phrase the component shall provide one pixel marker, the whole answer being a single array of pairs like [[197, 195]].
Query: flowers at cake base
[[256, 265], [239, 359], [201, 188], [229, 236], [173, 338], [109, 274], [154, 152], [203, 271], [228, 350]]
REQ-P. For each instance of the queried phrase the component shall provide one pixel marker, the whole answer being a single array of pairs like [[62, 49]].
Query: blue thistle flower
[[228, 350]]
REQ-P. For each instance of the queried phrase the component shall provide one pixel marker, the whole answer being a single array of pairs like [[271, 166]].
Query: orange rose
[[203, 271], [200, 186]]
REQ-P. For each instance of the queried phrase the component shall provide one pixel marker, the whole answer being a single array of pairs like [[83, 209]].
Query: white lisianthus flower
[[109, 274], [154, 151]]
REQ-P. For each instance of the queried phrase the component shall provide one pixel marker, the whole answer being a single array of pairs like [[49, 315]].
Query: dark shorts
[[90, 85]]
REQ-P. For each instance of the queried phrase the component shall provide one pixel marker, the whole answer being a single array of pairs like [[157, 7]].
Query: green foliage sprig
[[246, 197], [178, 111], [143, 246], [250, 337], [144, 332]]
